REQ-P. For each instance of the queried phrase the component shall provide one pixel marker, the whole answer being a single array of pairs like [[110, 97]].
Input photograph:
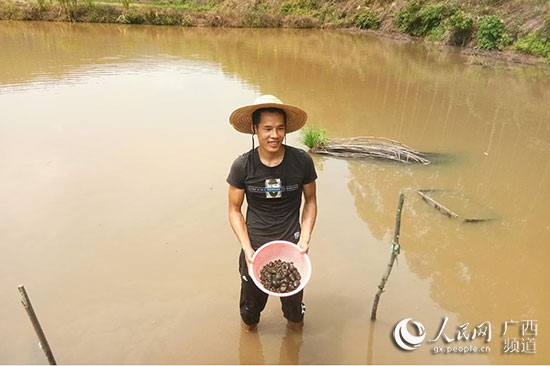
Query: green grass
[[312, 136]]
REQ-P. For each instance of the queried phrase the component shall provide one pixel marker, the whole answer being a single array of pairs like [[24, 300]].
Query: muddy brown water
[[114, 149]]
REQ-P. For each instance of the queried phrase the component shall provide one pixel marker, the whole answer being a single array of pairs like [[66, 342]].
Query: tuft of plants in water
[[312, 136], [367, 19], [489, 32]]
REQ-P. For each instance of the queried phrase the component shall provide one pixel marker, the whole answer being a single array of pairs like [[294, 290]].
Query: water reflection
[[290, 347], [370, 348], [251, 350]]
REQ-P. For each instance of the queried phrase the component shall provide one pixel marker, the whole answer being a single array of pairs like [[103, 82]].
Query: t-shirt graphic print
[[273, 188]]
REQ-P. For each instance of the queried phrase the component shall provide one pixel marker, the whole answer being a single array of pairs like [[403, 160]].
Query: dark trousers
[[253, 300]]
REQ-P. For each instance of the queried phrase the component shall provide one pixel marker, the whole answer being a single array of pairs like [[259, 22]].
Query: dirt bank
[[515, 31]]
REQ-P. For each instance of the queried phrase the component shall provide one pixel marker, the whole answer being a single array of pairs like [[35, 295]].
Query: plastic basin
[[285, 251]]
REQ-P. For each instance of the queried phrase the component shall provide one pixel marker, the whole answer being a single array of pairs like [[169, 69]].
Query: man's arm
[[309, 214], [236, 198]]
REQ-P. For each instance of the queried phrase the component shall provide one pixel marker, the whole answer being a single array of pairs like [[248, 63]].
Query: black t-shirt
[[273, 194]]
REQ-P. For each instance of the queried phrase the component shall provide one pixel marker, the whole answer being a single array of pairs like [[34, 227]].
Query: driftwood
[[371, 147], [395, 250]]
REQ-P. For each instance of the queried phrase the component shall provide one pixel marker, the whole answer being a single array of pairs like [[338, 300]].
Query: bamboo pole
[[37, 328], [394, 252]]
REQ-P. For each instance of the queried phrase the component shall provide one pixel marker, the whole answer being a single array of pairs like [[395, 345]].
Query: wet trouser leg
[[293, 308], [253, 300]]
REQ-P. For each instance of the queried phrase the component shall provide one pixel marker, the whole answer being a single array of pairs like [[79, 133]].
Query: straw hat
[[241, 118]]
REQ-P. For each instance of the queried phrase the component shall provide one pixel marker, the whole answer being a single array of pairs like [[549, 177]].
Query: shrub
[[534, 44], [489, 32], [460, 26], [431, 16], [461, 21], [421, 19], [367, 19], [408, 18]]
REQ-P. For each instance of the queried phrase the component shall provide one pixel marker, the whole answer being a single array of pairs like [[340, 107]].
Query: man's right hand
[[248, 253]]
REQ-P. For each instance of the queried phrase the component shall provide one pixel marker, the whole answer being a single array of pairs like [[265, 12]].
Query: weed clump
[[367, 19], [312, 136], [300, 7], [534, 44]]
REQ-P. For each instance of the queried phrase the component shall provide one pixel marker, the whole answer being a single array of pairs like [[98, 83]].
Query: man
[[273, 178]]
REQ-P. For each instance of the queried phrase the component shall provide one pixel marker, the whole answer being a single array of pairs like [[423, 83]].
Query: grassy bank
[[499, 25]]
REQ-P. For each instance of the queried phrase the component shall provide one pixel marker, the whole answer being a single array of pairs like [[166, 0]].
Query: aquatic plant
[[312, 136]]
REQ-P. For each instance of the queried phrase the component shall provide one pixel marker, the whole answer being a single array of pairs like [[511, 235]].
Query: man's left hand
[[303, 245]]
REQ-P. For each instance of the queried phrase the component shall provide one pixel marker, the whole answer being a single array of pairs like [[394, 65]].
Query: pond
[[114, 149]]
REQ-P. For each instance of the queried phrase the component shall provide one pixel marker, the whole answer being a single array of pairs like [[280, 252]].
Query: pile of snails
[[280, 276]]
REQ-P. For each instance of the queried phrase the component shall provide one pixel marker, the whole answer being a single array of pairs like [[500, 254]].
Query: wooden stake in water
[[37, 328], [394, 253]]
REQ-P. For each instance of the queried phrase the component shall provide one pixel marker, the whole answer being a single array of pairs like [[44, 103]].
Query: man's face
[[271, 131]]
